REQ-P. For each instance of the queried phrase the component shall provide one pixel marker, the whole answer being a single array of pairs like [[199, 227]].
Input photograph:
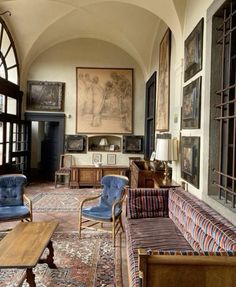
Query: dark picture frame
[[190, 159], [45, 96], [76, 143], [133, 144], [104, 100], [163, 96], [193, 51], [191, 105]]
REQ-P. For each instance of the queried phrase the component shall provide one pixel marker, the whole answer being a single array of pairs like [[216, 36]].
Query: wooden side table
[[158, 183]]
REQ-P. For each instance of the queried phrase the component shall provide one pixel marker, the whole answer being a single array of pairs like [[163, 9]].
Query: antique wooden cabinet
[[147, 174], [89, 175]]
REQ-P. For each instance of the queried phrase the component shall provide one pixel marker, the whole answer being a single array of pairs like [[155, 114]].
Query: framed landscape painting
[[191, 107], [45, 96], [190, 158], [104, 100], [162, 105], [193, 52], [133, 144], [76, 143]]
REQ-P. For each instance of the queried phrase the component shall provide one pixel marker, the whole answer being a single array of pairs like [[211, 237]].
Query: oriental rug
[[88, 262], [91, 261]]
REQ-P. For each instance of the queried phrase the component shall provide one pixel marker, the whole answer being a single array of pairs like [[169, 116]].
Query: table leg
[[30, 277], [49, 260]]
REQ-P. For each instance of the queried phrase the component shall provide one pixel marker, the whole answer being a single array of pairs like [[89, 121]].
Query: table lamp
[[103, 143], [166, 150]]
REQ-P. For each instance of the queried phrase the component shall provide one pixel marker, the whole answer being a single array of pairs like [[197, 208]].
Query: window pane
[[2, 103], [1, 148], [13, 76], [11, 106], [5, 43]]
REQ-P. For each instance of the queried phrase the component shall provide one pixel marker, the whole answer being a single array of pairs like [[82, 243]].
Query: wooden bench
[[23, 247]]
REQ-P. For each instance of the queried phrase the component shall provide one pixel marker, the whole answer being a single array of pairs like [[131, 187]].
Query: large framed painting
[[104, 100], [162, 108], [45, 96], [193, 52], [191, 107], [190, 158], [76, 143]]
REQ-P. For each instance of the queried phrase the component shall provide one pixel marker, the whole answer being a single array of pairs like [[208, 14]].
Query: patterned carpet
[[58, 201], [87, 262]]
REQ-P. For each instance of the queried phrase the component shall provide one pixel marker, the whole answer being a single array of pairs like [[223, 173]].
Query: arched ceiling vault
[[131, 25]]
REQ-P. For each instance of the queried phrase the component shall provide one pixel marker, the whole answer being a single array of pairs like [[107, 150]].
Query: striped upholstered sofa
[[175, 239]]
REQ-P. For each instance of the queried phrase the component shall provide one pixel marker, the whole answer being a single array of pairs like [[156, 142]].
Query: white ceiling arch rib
[[128, 24]]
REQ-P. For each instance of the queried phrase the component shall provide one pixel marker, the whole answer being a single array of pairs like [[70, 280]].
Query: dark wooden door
[[150, 108]]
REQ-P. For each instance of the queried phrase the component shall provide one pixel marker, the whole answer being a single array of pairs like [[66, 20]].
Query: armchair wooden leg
[[80, 223], [114, 232], [121, 225]]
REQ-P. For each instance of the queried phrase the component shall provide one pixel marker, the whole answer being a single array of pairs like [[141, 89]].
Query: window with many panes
[[13, 131], [223, 106]]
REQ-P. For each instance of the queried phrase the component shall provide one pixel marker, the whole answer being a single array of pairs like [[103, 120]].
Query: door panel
[[150, 108]]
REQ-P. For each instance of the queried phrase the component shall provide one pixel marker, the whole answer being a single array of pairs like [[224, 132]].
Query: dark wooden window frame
[[222, 176]]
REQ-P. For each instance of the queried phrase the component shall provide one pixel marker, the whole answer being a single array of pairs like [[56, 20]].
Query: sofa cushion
[[151, 233], [147, 203], [203, 228]]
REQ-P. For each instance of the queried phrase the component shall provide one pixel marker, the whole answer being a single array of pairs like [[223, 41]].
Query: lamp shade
[[167, 149], [103, 142]]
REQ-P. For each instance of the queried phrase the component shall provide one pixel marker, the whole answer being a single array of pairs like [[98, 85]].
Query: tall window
[[9, 68], [13, 131], [223, 106]]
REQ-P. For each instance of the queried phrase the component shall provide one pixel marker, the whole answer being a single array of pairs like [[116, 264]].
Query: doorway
[[47, 143], [150, 108]]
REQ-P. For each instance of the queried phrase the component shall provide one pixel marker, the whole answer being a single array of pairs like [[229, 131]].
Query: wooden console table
[[89, 175], [23, 246]]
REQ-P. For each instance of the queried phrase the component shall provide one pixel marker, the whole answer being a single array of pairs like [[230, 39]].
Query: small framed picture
[[193, 52], [191, 105], [111, 159], [97, 158], [75, 143], [190, 158]]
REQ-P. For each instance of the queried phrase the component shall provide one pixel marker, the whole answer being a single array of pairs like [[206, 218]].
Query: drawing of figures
[[104, 102]]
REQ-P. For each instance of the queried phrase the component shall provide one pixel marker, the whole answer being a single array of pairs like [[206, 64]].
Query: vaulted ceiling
[[132, 25]]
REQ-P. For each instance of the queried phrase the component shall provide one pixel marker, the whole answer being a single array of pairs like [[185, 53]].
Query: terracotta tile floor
[[67, 222]]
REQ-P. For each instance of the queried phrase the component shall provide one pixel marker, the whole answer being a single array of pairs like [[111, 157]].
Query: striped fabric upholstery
[[147, 203], [190, 253], [192, 228], [203, 228]]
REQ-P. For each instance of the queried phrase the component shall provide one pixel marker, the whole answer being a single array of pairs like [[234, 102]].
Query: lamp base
[[166, 174]]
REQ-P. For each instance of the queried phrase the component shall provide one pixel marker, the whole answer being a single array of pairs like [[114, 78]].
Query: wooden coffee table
[[23, 246]]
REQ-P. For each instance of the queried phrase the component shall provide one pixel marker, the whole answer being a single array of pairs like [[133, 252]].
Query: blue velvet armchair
[[109, 208], [14, 204]]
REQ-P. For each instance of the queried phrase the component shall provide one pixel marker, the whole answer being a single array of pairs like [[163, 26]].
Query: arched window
[[14, 152], [9, 67]]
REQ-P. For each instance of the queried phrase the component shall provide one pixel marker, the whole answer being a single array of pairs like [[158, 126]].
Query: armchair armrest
[[115, 203], [28, 202]]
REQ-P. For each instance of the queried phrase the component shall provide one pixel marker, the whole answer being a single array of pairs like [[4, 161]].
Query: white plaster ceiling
[[132, 25]]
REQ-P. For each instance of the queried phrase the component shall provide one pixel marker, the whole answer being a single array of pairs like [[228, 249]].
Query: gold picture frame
[[162, 103], [104, 100]]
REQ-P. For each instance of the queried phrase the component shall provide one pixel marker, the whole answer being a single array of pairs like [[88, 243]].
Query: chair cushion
[[11, 189], [113, 188], [11, 212], [100, 212]]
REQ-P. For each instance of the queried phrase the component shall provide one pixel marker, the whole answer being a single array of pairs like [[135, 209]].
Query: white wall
[[59, 64]]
